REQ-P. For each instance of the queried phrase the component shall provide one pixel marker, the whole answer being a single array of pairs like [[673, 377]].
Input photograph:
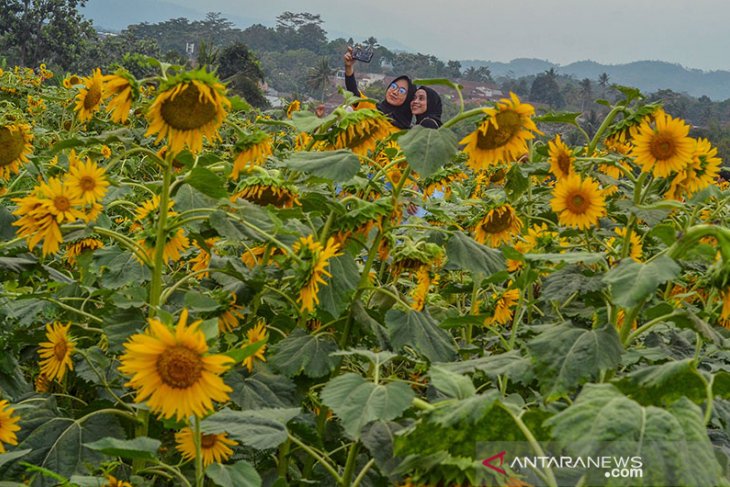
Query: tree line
[[295, 57]]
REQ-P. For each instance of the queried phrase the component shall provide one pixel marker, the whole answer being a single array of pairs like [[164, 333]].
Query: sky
[[695, 34]]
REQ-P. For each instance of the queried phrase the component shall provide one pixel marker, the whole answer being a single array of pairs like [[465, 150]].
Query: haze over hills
[[648, 76]]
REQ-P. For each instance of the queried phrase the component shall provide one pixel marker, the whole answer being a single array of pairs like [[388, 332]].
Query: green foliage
[[427, 150], [240, 474], [419, 330], [340, 165], [357, 401], [301, 352], [567, 355], [672, 442], [260, 429], [46, 31], [631, 282]]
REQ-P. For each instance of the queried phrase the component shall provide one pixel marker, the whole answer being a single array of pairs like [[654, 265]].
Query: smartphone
[[364, 54]]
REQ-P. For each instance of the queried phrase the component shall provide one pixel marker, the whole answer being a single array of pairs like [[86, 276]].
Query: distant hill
[[649, 76]]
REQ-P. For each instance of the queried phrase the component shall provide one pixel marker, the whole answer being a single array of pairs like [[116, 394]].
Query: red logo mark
[[500, 456]]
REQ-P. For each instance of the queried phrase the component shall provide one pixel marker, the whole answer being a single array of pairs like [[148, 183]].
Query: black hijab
[[431, 118], [400, 116]]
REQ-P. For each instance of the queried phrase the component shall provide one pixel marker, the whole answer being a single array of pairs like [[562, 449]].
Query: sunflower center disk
[[11, 146], [662, 146], [87, 183], [187, 110], [93, 96], [498, 222], [564, 162], [578, 203], [208, 441], [59, 350], [509, 125], [497, 176], [61, 203], [179, 367]]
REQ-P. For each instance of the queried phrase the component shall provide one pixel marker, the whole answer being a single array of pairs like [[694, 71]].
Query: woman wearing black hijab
[[397, 103], [426, 106]]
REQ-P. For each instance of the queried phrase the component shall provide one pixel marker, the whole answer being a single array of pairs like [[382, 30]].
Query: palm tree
[[586, 93], [319, 77], [603, 83]]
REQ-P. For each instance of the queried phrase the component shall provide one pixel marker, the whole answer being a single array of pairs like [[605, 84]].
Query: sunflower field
[[194, 292]]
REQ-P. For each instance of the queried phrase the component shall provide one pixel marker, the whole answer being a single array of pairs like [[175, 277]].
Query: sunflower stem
[[350, 464], [463, 116], [604, 126], [199, 471], [158, 261]]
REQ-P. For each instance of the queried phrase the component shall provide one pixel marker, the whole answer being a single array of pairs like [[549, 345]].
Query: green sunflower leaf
[[466, 253], [240, 474], [260, 429], [633, 282], [357, 401], [566, 356], [420, 331], [427, 150], [665, 383], [301, 352], [672, 442], [340, 165], [140, 447], [207, 182], [335, 296]]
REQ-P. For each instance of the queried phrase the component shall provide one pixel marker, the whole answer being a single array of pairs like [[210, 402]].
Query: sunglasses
[[399, 89]]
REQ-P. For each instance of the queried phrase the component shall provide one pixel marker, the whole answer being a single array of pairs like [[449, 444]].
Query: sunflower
[[724, 319], [265, 189], [122, 90], [175, 243], [229, 319], [85, 180], [36, 225], [423, 284], [253, 149], [360, 131], [15, 147], [73, 250], [72, 80], [498, 226], [619, 143], [202, 261], [663, 147], [56, 352], [8, 425], [189, 107], [700, 173], [106, 152], [561, 158], [60, 201], [89, 98], [315, 259], [578, 202], [502, 135], [443, 181], [635, 247], [503, 307], [294, 106], [214, 447], [42, 384], [172, 372], [112, 481], [42, 211], [255, 335]]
